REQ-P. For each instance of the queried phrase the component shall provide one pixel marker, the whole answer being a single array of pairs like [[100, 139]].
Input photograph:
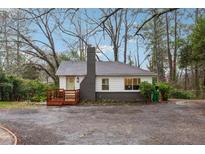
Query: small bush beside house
[[146, 90], [164, 89]]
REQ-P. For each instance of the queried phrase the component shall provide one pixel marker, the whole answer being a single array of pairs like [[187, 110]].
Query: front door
[[70, 83]]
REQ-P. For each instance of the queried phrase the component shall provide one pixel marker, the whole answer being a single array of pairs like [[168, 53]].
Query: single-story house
[[102, 80]]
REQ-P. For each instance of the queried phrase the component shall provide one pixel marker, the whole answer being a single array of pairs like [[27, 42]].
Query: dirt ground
[[5, 137], [172, 123]]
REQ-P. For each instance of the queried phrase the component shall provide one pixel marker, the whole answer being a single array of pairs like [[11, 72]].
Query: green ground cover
[[10, 105]]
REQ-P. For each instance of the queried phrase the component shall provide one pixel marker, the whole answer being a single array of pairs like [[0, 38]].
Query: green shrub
[[182, 94], [164, 89], [13, 88], [35, 90], [38, 98], [146, 90]]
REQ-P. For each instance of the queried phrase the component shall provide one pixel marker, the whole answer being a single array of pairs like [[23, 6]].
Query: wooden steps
[[63, 97]]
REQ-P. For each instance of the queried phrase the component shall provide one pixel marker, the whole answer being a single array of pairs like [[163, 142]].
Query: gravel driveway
[[172, 123]]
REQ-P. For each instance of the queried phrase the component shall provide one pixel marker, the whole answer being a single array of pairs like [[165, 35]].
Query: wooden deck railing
[[63, 97]]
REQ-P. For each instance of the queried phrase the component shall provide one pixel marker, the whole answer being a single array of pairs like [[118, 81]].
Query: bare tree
[[5, 35], [138, 58], [155, 15], [125, 35], [196, 67], [128, 20], [168, 48], [41, 49], [112, 26], [175, 46]]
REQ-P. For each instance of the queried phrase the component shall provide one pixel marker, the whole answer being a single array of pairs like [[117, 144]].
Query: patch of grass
[[17, 105]]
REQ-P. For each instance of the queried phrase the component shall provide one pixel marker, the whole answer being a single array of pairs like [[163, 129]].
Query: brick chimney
[[87, 86]]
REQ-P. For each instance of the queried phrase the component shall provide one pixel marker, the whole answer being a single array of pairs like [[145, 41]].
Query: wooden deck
[[58, 97]]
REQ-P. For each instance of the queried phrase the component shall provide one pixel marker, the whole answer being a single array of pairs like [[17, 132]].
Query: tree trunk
[[115, 48], [125, 38], [196, 72], [154, 54], [138, 58], [6, 39], [125, 46], [204, 79], [18, 40], [186, 77], [160, 51], [197, 87], [80, 41], [168, 49], [175, 46]]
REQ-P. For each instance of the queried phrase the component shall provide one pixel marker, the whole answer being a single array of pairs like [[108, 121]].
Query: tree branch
[[109, 15], [153, 16], [35, 16]]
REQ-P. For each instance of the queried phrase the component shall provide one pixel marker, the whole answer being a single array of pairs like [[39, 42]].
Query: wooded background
[[173, 41]]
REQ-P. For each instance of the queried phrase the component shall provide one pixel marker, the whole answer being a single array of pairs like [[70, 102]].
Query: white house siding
[[77, 84], [62, 82], [116, 84]]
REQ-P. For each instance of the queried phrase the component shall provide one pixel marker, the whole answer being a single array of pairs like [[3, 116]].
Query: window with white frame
[[131, 83], [105, 84]]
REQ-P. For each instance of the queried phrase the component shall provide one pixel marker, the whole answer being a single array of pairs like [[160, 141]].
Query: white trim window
[[105, 84], [131, 83]]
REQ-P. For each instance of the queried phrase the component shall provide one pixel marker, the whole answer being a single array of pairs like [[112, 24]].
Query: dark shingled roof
[[102, 69]]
